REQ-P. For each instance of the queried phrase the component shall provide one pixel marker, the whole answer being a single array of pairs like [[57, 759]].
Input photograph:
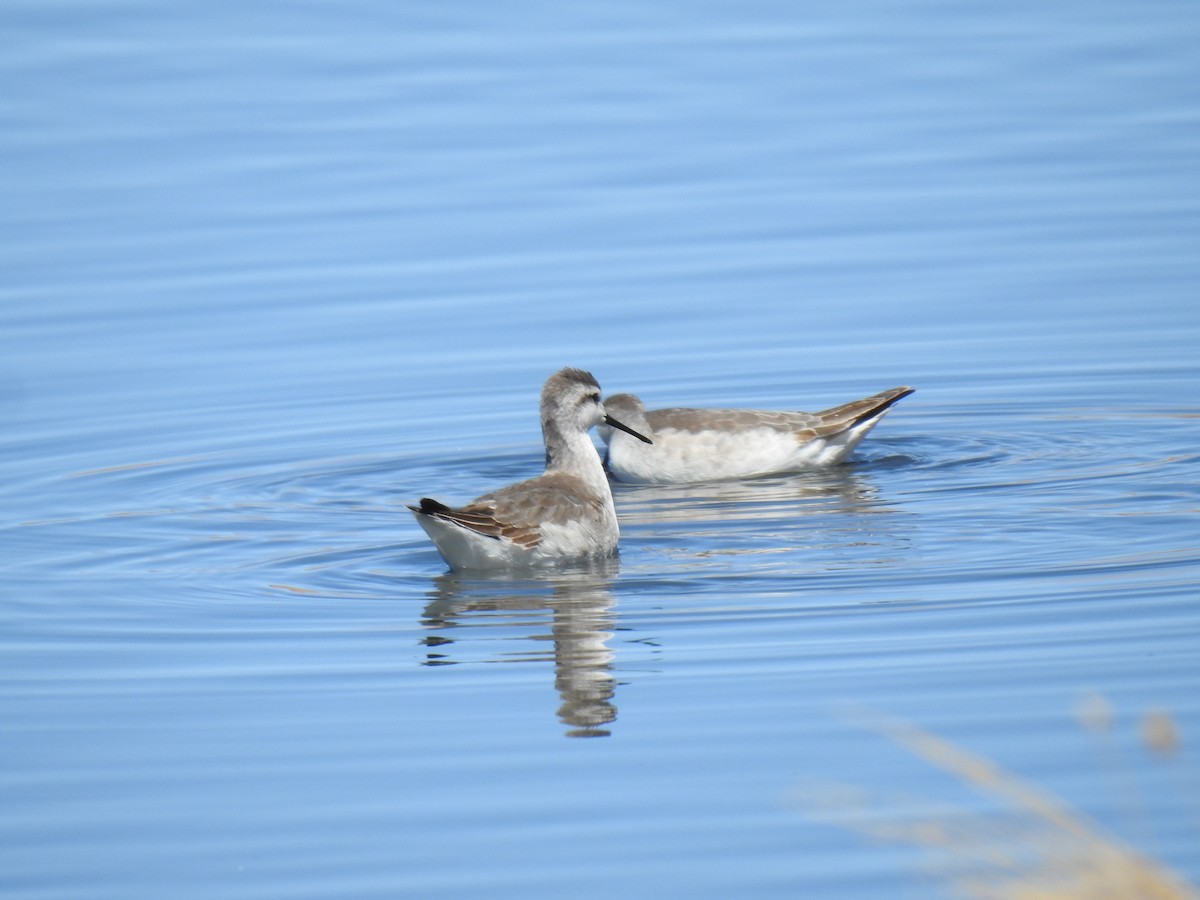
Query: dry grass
[[1032, 847]]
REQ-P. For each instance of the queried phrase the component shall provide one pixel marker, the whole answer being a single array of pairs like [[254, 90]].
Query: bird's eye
[[595, 398]]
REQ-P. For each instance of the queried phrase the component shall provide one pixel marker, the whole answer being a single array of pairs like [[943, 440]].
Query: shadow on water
[[569, 609]]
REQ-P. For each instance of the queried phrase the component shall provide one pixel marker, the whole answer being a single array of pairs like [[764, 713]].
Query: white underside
[[679, 457], [463, 548]]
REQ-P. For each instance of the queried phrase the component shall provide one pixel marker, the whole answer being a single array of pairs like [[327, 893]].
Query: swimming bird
[[691, 445], [563, 514]]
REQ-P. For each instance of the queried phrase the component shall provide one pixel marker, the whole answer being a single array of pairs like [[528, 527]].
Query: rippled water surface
[[271, 272]]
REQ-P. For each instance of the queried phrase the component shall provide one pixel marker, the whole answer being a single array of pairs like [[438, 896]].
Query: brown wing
[[805, 426], [695, 421], [516, 513], [482, 519], [839, 418]]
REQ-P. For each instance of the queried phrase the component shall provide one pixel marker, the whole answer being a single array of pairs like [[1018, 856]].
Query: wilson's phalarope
[[712, 444], [565, 513]]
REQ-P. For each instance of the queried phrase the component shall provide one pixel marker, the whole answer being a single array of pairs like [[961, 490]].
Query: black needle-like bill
[[609, 420]]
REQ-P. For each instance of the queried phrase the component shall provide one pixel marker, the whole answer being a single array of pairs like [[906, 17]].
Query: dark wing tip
[[895, 395], [480, 520], [887, 399]]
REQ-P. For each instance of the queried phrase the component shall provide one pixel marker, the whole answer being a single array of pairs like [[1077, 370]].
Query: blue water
[[272, 271]]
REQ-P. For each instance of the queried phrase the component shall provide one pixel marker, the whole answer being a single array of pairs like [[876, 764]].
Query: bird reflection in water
[[578, 603], [831, 515], [841, 490]]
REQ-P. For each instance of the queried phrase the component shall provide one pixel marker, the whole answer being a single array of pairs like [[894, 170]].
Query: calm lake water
[[272, 271]]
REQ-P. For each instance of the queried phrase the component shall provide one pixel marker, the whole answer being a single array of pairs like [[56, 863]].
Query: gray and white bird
[[566, 513], [692, 445]]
